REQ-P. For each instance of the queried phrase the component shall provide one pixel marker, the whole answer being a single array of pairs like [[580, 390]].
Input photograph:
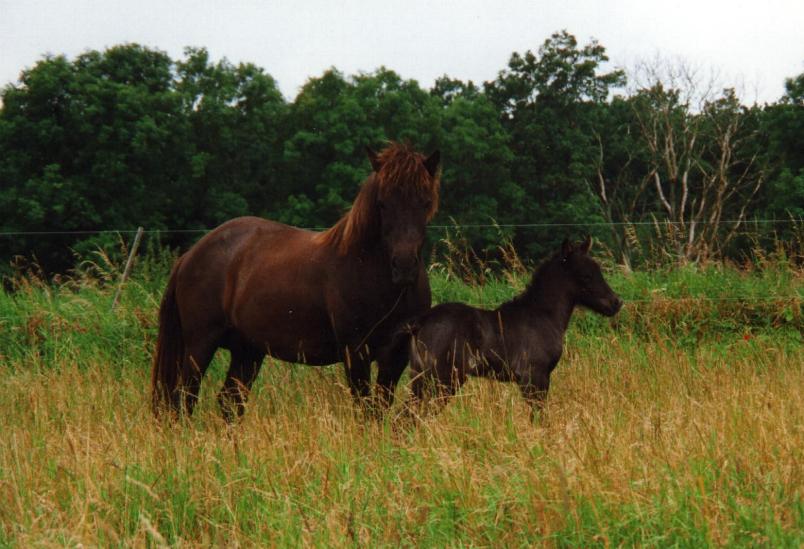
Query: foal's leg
[[534, 388], [243, 369], [432, 388], [429, 395]]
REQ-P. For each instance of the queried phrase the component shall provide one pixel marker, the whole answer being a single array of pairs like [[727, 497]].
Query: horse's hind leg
[[196, 361], [243, 369]]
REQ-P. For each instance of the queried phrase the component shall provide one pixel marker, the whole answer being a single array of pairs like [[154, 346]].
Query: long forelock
[[402, 171]]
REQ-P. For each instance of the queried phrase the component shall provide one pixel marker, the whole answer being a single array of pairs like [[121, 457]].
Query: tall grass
[[679, 423]]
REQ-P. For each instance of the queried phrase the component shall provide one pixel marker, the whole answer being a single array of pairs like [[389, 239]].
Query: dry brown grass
[[641, 443]]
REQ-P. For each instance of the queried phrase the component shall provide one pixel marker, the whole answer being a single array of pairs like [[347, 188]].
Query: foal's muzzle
[[614, 305]]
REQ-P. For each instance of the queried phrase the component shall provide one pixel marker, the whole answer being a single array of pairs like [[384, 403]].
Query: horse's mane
[[401, 170], [537, 280]]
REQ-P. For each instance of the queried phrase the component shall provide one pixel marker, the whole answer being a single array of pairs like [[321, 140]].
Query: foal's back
[[452, 341], [446, 341]]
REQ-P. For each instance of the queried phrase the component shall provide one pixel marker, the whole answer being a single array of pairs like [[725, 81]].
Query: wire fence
[[457, 225], [655, 299]]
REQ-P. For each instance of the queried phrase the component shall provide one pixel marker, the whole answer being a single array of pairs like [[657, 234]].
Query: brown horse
[[520, 341], [258, 287]]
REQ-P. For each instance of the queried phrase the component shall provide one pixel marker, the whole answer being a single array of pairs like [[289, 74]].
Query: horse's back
[[206, 272]]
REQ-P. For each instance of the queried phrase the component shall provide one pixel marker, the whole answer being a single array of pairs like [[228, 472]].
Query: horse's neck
[[549, 298], [367, 267]]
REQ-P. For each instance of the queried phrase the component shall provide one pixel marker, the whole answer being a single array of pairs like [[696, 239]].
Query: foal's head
[[584, 275], [406, 199]]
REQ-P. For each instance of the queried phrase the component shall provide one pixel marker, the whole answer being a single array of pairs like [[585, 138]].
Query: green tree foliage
[[88, 144], [128, 136], [331, 122], [783, 125], [549, 103], [477, 185], [235, 117]]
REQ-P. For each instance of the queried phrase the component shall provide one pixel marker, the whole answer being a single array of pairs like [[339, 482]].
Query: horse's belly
[[291, 340], [312, 358]]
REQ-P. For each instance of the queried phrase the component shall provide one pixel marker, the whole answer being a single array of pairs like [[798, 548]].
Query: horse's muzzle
[[404, 272]]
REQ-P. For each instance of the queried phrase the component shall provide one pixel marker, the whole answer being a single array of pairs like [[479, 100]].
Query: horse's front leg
[[357, 364], [391, 362]]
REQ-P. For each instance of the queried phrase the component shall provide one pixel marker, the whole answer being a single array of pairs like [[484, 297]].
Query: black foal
[[520, 341]]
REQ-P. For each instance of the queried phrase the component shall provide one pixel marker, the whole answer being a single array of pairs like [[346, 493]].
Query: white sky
[[758, 43]]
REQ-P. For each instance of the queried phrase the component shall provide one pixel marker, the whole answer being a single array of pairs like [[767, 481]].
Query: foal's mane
[[533, 288], [401, 170]]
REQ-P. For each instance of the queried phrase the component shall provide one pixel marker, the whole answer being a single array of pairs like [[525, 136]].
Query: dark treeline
[[129, 136]]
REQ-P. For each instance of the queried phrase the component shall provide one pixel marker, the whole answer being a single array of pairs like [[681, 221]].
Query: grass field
[[679, 423]]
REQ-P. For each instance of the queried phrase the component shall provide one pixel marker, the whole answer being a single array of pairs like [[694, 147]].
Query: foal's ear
[[374, 159], [431, 162], [586, 245], [566, 248]]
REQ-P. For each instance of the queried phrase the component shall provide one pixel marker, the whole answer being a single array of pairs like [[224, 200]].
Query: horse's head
[[406, 199], [584, 274]]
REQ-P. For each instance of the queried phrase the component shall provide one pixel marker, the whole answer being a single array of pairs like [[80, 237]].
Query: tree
[[548, 104], [127, 137], [332, 120], [476, 183], [92, 143], [702, 168], [236, 117], [783, 126]]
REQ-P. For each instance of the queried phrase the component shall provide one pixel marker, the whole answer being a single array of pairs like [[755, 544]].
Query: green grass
[[677, 424]]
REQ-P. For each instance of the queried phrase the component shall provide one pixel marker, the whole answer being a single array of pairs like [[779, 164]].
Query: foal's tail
[[404, 333], [402, 339], [166, 378]]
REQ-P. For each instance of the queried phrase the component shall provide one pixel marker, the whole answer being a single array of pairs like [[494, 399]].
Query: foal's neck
[[548, 296]]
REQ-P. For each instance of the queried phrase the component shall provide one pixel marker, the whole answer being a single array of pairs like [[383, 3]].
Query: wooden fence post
[[129, 263]]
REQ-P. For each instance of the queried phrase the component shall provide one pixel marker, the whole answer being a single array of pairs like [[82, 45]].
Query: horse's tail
[[166, 377]]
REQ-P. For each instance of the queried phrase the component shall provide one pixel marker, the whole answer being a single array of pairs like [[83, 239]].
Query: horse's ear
[[431, 162], [586, 245], [373, 158], [566, 248]]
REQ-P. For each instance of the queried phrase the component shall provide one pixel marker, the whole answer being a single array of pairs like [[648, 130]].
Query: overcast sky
[[759, 43]]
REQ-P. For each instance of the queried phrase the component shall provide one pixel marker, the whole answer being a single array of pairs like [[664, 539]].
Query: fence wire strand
[[456, 226]]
